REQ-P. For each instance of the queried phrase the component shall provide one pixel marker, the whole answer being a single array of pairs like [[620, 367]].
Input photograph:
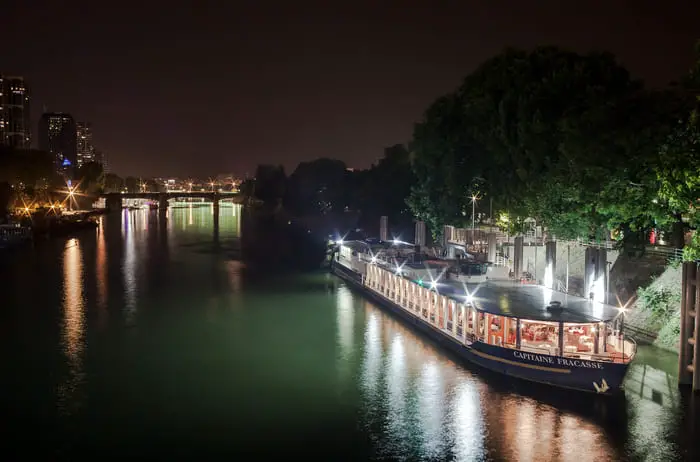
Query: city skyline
[[228, 87]]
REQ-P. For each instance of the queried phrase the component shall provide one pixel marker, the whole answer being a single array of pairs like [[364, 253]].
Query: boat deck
[[527, 301]]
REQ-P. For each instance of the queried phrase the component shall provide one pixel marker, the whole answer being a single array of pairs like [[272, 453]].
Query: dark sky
[[206, 87]]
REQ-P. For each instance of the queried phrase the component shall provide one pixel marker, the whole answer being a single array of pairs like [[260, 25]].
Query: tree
[[270, 183], [678, 167], [113, 182], [440, 162], [383, 188], [132, 184], [318, 187], [534, 132], [91, 178]]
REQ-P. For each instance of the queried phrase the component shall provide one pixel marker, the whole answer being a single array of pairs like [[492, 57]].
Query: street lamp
[[70, 198], [475, 197]]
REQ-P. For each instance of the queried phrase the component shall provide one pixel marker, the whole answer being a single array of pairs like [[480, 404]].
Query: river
[[149, 339]]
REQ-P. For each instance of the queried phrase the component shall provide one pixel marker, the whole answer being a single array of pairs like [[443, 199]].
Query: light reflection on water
[[207, 353], [73, 326], [430, 407]]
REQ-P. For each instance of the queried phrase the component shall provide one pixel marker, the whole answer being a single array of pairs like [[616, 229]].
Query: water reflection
[[421, 405], [345, 303], [101, 269], [431, 403], [467, 425], [373, 351], [129, 264], [73, 325]]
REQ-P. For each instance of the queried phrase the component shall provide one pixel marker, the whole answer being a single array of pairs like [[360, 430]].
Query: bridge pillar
[[216, 211], [113, 202], [689, 354], [518, 257], [550, 264], [162, 201]]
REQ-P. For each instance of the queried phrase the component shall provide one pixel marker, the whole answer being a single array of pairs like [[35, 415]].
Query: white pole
[[473, 213]]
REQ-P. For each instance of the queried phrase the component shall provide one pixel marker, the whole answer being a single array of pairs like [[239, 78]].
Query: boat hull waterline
[[588, 376]]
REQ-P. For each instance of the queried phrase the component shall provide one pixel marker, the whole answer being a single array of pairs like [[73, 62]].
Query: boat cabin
[[511, 315]]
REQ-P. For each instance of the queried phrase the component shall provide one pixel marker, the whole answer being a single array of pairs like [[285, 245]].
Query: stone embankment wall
[[649, 285], [570, 253]]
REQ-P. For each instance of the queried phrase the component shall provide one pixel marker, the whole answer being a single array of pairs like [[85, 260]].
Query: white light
[[339, 242], [549, 277]]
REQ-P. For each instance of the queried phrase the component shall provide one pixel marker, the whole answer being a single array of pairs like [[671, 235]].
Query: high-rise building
[[14, 113], [57, 136], [85, 149]]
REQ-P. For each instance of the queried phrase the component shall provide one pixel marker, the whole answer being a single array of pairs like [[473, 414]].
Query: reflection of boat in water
[[522, 331]]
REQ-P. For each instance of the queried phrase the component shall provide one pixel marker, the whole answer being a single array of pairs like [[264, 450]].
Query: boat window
[[495, 331], [473, 269], [539, 337], [579, 339], [510, 329]]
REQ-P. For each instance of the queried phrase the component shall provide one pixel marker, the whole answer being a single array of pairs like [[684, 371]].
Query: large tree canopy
[[570, 140]]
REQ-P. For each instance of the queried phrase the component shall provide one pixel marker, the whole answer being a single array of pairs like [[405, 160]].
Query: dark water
[[149, 339]]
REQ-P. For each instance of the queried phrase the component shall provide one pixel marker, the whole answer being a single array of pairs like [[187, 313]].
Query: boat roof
[[528, 302]]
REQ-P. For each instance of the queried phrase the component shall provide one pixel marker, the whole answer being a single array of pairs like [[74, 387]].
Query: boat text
[[557, 361]]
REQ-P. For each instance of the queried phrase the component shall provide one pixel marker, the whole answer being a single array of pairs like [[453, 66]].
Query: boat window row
[[461, 320]]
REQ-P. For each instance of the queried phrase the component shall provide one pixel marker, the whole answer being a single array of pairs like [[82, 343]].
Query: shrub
[[659, 302]]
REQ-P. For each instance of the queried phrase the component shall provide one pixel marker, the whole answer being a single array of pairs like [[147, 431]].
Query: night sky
[[208, 87]]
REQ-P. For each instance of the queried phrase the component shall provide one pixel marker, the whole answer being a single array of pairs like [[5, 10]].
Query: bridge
[[113, 201]]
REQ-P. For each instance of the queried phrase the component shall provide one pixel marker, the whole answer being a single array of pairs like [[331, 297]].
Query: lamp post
[[475, 197], [70, 198]]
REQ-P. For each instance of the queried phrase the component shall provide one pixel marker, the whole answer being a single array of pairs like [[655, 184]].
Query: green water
[[149, 339]]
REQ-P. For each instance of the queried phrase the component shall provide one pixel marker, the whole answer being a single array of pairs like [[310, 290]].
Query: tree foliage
[[567, 139]]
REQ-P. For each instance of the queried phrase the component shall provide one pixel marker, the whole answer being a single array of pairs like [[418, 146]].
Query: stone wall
[[570, 253]]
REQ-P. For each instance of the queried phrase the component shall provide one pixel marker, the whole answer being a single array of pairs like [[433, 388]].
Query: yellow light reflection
[[129, 266], [467, 422], [431, 402], [101, 269], [397, 379], [73, 324], [373, 351], [345, 318]]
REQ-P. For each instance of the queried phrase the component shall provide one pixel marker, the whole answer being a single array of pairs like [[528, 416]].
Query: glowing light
[[622, 307], [549, 276]]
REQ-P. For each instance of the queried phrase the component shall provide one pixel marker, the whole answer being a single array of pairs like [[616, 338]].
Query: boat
[[14, 235], [525, 331]]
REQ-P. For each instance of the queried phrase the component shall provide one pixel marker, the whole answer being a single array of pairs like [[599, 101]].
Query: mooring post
[[688, 367], [491, 246], [518, 257], [384, 228], [550, 265]]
